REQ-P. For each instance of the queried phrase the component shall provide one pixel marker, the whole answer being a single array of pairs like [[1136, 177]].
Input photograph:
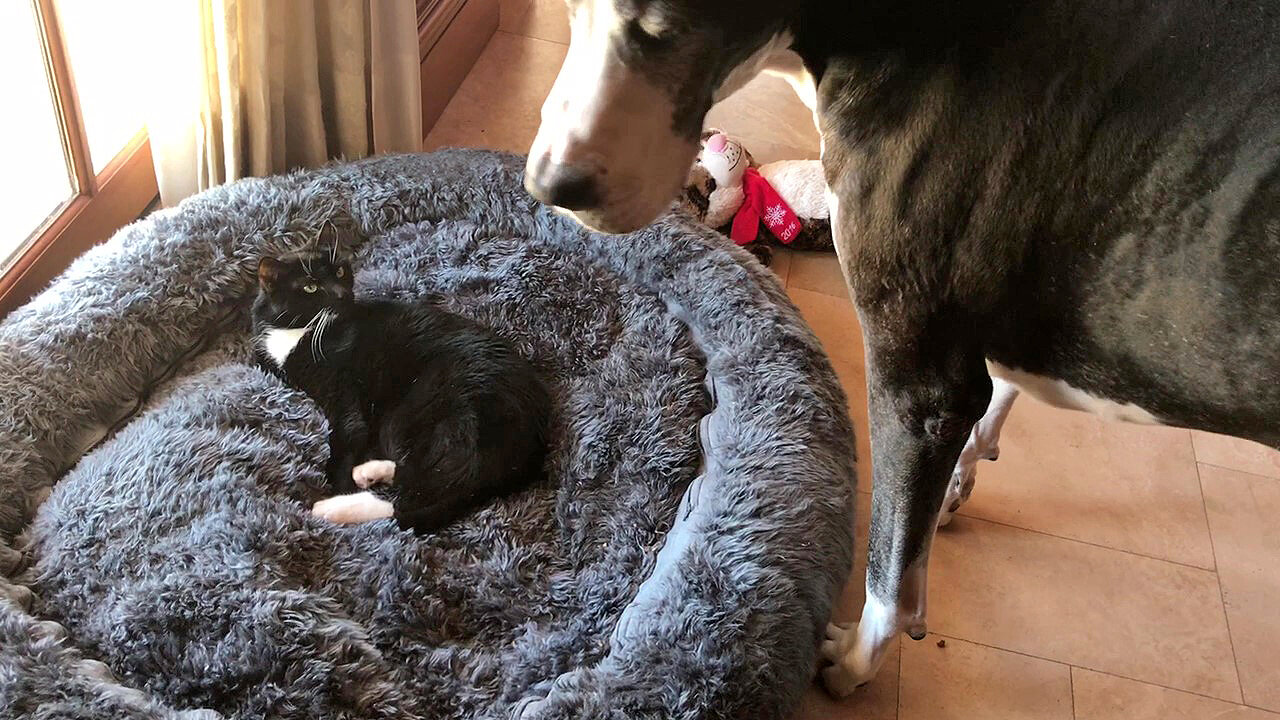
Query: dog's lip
[[618, 212], [597, 221], [615, 215], [602, 221]]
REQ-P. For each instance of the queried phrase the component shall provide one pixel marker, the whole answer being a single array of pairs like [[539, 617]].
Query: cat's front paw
[[354, 508], [373, 472]]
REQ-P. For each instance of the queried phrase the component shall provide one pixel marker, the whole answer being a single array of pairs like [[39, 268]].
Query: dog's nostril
[[564, 186]]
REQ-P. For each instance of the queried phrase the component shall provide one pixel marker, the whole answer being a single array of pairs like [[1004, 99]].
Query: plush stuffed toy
[[782, 201]]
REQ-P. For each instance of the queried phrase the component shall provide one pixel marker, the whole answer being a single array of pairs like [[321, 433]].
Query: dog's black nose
[[562, 185]]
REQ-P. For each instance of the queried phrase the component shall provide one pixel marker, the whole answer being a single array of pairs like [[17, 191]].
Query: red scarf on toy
[[762, 204]]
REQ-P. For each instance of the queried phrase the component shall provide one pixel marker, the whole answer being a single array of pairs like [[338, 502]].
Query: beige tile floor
[[1101, 571]]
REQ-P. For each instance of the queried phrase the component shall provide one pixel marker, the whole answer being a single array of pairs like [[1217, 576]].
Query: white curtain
[[255, 87]]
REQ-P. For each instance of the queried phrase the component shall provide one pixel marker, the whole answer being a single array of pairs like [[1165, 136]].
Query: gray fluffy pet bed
[[158, 558]]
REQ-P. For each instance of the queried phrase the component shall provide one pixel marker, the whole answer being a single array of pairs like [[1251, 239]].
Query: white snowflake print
[[774, 215]]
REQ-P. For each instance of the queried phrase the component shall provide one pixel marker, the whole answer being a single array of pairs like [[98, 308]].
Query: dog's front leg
[[926, 390]]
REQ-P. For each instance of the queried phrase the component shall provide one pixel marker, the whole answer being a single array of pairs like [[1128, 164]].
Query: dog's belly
[[1062, 394]]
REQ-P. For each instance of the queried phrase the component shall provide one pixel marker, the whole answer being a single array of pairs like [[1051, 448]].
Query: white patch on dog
[[354, 508], [790, 67], [576, 101], [787, 65], [1060, 394], [604, 118], [373, 472], [279, 342], [774, 54]]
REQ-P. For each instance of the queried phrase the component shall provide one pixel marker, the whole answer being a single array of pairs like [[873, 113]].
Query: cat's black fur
[[458, 410]]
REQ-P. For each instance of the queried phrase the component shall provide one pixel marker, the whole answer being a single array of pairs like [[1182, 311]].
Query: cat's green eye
[[339, 272], [310, 288]]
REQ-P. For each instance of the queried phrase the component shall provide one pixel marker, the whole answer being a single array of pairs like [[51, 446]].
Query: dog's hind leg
[[983, 444], [928, 385]]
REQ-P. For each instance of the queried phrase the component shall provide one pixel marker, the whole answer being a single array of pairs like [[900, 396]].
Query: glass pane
[[110, 56], [37, 182]]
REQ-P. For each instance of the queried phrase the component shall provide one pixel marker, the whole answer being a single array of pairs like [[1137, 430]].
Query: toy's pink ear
[[716, 143]]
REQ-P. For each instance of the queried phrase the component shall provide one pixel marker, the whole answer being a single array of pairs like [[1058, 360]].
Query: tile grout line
[[1071, 678], [1272, 478], [530, 37], [1096, 670], [1240, 704], [1208, 529], [897, 706], [1222, 597], [1195, 451], [1179, 563], [989, 646]]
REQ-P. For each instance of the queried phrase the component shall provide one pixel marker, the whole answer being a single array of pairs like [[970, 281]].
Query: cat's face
[[298, 286]]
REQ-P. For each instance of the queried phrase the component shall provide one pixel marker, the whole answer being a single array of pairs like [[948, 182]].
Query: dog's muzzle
[[562, 185]]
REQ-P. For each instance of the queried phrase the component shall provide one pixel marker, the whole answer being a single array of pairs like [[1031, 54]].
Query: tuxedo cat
[[429, 403]]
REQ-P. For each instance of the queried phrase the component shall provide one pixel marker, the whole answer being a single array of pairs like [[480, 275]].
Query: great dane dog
[[1080, 198]]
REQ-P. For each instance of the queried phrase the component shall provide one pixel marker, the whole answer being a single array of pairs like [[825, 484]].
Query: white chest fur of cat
[[279, 342]]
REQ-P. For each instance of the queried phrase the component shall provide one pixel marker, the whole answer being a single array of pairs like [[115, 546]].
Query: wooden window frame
[[102, 203]]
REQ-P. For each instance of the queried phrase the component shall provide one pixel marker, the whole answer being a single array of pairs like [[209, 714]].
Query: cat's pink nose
[[717, 142]]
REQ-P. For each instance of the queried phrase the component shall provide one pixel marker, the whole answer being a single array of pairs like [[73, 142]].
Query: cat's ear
[[269, 270], [335, 242]]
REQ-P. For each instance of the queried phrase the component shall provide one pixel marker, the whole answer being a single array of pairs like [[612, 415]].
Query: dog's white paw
[[839, 639], [857, 651], [839, 681], [844, 674], [354, 508], [373, 472]]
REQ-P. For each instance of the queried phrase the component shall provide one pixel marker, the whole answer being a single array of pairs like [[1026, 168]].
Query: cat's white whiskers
[[319, 336], [333, 315], [324, 318], [310, 327], [314, 326]]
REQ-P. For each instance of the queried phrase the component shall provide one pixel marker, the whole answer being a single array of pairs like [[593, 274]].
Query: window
[[39, 178], [79, 162]]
